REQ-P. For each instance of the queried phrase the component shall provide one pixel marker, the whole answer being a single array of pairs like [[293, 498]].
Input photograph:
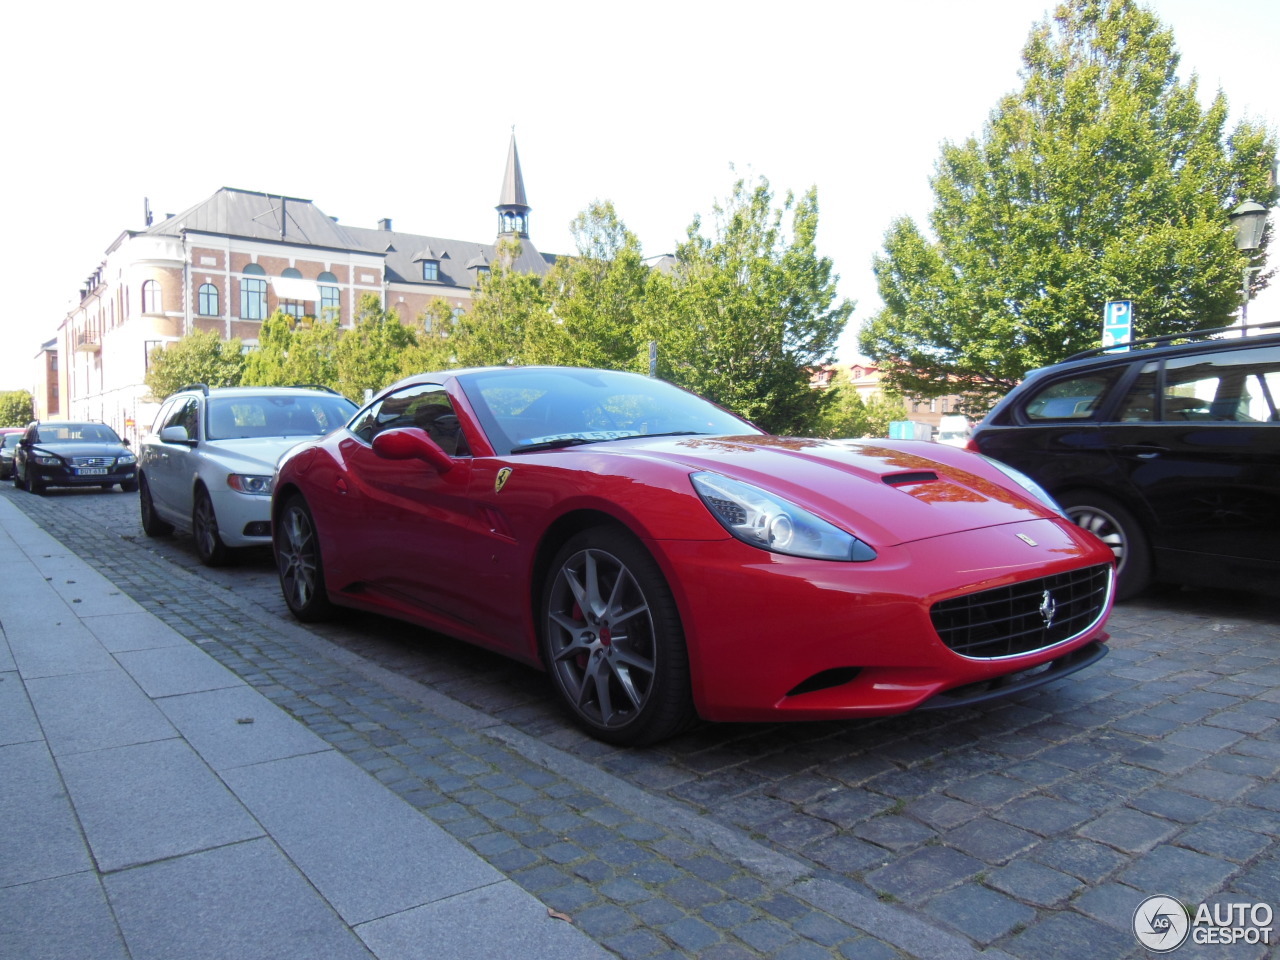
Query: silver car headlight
[[767, 521], [1027, 484], [255, 485], [125, 460]]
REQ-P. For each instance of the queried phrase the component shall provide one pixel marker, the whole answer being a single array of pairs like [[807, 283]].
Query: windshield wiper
[[551, 444]]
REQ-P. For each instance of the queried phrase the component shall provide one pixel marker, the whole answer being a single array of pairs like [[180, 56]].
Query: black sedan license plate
[[91, 472]]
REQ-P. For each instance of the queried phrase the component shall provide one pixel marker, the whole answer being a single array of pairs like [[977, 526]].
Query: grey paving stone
[[981, 914], [214, 723], [151, 801], [39, 835], [1070, 936], [1224, 841], [367, 851], [1112, 904], [1173, 804], [42, 648], [1044, 815], [95, 711], [1034, 883], [136, 630], [18, 722], [1180, 873], [847, 808], [166, 671], [925, 872], [253, 905], [990, 789], [894, 832], [1085, 859], [942, 813], [1129, 830], [991, 841], [57, 919], [1212, 784], [1164, 757]]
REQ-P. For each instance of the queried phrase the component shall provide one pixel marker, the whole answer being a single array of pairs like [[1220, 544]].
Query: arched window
[[152, 302], [330, 298], [292, 307], [208, 300], [253, 293]]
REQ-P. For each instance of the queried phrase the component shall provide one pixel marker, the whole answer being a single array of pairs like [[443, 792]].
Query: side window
[[426, 406], [162, 416], [186, 414], [1238, 386], [1075, 399]]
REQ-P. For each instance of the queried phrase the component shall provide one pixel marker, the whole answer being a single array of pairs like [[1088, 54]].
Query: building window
[[430, 269], [330, 298], [253, 293], [482, 273], [208, 300], [151, 299]]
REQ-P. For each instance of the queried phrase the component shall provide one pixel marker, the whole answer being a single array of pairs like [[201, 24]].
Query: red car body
[[465, 544]]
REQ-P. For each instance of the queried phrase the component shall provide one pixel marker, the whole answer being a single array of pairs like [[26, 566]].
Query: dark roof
[[291, 220], [259, 216]]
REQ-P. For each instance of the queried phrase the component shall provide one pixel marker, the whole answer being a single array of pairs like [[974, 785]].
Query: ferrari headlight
[[767, 521], [257, 486], [1027, 484]]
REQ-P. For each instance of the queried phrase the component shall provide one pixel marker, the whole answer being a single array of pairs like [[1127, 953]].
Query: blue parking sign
[[1117, 324]]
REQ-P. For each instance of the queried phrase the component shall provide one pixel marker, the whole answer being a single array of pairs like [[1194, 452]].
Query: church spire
[[513, 210]]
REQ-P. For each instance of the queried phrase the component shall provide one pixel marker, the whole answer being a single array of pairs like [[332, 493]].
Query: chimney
[[385, 224]]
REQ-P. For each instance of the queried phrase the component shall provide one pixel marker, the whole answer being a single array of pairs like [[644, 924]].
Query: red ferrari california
[[663, 559]]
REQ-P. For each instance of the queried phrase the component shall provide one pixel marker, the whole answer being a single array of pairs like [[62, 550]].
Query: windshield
[[76, 433], [542, 407], [242, 416]]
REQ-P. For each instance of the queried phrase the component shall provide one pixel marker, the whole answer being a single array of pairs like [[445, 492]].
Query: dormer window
[[431, 270]]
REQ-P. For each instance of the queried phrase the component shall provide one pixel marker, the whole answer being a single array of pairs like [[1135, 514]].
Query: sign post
[[1117, 325]]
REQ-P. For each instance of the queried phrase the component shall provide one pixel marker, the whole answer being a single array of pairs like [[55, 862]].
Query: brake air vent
[[906, 479]]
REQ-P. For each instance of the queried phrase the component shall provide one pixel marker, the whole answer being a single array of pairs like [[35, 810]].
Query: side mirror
[[411, 443], [174, 435], [125, 441]]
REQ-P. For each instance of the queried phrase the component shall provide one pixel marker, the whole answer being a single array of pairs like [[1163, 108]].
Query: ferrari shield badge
[[500, 480]]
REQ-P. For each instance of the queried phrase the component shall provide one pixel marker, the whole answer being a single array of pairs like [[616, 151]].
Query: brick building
[[230, 261]]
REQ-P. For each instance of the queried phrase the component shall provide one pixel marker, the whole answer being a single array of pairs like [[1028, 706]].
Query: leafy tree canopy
[[1101, 179], [199, 357], [847, 414], [16, 408], [747, 313]]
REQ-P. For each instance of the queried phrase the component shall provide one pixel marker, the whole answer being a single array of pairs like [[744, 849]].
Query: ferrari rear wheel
[[612, 640], [298, 560]]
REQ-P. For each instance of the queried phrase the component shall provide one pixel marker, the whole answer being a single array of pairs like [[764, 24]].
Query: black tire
[[204, 529], [1115, 526], [625, 680], [18, 482], [129, 486], [35, 484], [298, 561], [152, 525]]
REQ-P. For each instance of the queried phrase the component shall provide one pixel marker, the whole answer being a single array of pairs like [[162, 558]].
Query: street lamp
[[1249, 220]]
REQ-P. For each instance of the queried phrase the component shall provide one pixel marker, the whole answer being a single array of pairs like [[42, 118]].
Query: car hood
[[256, 455], [885, 492], [80, 448]]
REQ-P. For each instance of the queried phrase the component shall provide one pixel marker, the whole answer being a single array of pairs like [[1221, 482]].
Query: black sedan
[[70, 454], [8, 447]]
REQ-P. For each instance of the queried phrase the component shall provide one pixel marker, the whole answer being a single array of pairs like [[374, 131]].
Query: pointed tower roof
[[513, 197]]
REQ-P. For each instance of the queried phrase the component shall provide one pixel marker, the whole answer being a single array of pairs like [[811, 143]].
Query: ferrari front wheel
[[612, 640], [298, 559]]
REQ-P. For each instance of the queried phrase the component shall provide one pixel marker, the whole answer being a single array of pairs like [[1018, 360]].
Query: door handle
[[1143, 451]]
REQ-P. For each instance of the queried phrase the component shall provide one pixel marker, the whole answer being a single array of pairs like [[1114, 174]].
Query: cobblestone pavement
[[1030, 827]]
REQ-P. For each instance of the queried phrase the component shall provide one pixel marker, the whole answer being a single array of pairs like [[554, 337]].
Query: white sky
[[403, 110]]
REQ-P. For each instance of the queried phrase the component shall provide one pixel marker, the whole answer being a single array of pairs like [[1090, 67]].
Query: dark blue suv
[[1168, 451]]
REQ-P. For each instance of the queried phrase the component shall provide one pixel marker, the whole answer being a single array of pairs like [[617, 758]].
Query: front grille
[[92, 461], [1023, 617]]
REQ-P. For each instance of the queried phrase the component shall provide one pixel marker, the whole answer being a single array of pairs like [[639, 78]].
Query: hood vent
[[905, 479]]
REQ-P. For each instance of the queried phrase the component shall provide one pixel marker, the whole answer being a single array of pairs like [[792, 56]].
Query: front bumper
[[773, 637], [72, 477]]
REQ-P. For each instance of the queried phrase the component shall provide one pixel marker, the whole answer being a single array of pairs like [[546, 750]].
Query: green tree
[[510, 321], [292, 352], [1102, 178], [199, 357], [746, 314], [595, 297], [17, 409], [369, 355], [848, 415]]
